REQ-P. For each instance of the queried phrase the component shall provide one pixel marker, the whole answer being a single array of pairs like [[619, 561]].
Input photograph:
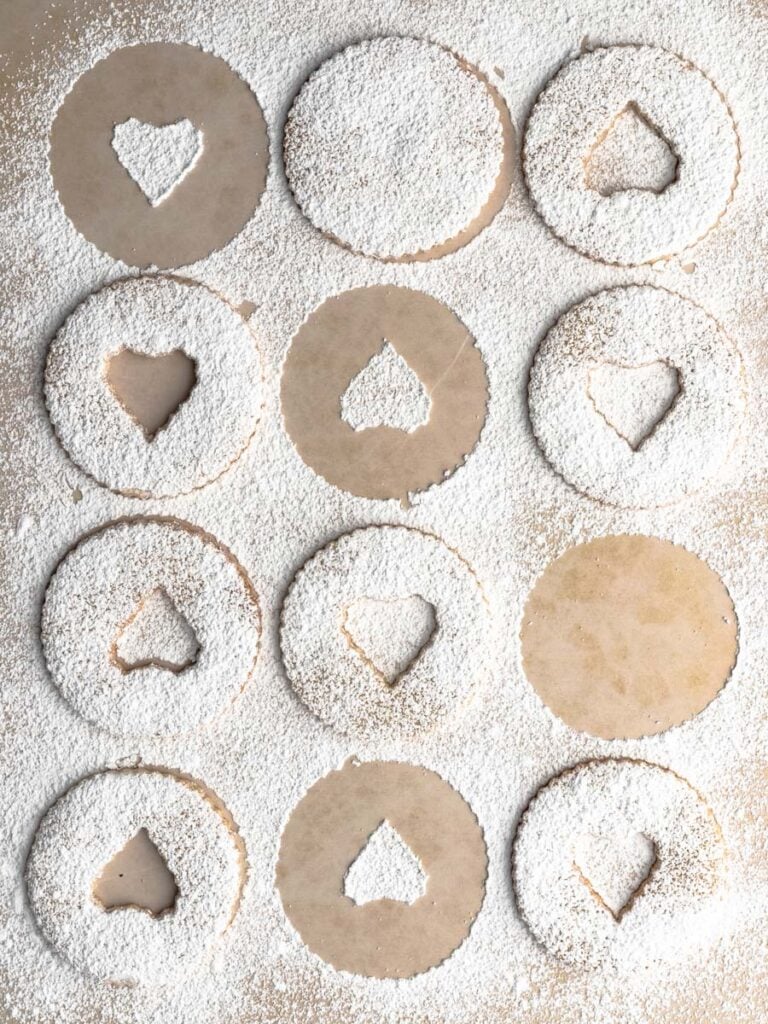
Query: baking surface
[[505, 511]]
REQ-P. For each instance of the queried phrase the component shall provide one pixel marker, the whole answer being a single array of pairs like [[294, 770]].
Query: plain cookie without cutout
[[570, 119], [94, 595], [160, 84], [629, 329], [341, 683], [81, 834], [324, 835], [676, 906], [627, 636], [399, 149], [99, 398], [330, 350]]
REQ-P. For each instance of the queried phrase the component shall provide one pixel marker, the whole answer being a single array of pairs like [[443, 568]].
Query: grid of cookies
[[383, 626]]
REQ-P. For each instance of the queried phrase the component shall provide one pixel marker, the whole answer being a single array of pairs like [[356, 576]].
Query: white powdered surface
[[385, 869], [505, 510], [84, 830], [393, 147], [386, 393], [636, 224], [615, 866], [389, 635], [633, 399], [157, 157], [94, 593]]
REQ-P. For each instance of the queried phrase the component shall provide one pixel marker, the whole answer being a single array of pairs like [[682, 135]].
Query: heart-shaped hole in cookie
[[155, 635], [630, 154], [157, 157], [386, 868], [615, 868], [389, 635], [387, 392], [137, 878], [633, 399], [151, 389]]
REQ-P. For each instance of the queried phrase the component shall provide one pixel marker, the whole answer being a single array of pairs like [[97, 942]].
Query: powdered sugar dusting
[[578, 109], [153, 316], [84, 830], [676, 870], [579, 434], [350, 687]]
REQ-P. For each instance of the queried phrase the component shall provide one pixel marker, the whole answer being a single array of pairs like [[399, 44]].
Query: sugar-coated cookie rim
[[173, 522], [692, 242], [495, 200], [189, 283], [738, 433]]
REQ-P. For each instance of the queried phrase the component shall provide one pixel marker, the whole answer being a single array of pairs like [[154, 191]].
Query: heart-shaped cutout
[[633, 400], [151, 388], [157, 157], [155, 635], [386, 868], [630, 154], [389, 635], [615, 868], [387, 392], [137, 878]]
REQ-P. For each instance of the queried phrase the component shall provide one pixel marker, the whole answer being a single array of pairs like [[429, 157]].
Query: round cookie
[[159, 84], [628, 332], [575, 114], [95, 597], [384, 938], [383, 632], [96, 405], [628, 636], [87, 827], [619, 862], [339, 342], [395, 146]]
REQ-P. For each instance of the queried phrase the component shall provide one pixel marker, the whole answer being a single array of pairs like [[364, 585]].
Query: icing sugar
[[81, 833], [385, 868]]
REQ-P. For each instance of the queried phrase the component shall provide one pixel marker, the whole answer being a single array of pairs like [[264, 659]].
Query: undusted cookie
[[631, 902], [87, 827], [326, 832], [627, 330], [93, 598], [151, 318], [341, 675], [388, 445], [628, 636], [572, 116], [393, 146], [159, 84]]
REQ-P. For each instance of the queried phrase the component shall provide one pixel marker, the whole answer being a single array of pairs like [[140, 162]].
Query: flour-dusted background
[[505, 511]]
